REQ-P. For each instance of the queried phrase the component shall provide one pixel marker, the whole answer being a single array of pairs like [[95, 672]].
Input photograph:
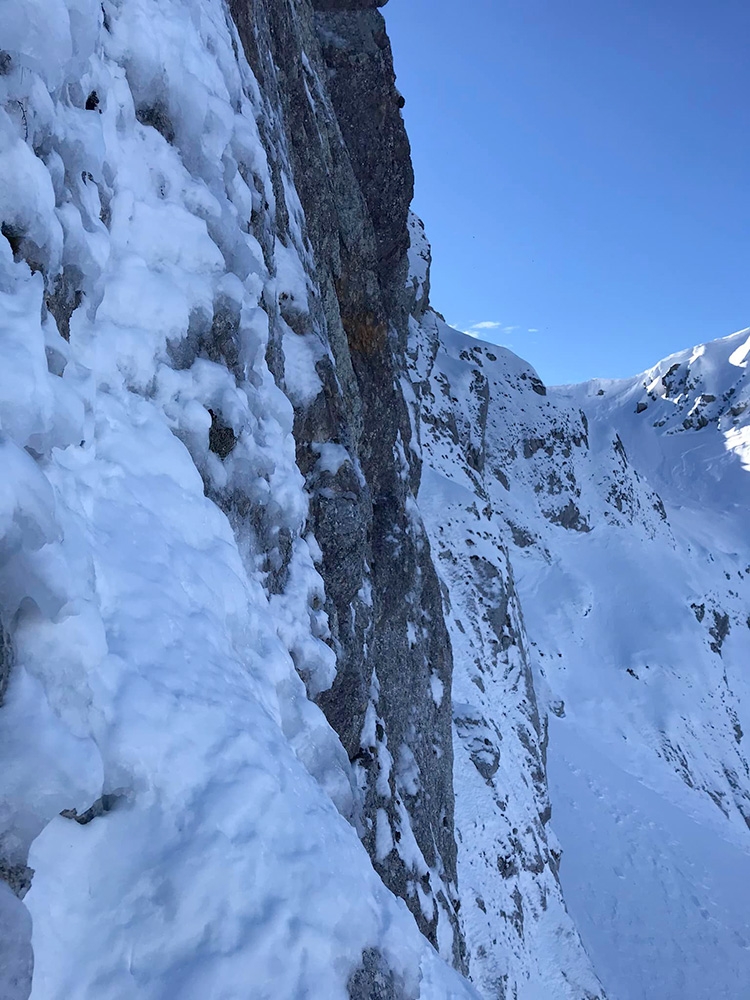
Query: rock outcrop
[[342, 138]]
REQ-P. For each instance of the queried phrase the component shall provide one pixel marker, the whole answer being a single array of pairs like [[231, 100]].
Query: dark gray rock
[[482, 740], [6, 661], [221, 438], [156, 116], [327, 67], [361, 80], [17, 877], [348, 4], [23, 247], [374, 980], [569, 517], [64, 297], [719, 630], [104, 804]]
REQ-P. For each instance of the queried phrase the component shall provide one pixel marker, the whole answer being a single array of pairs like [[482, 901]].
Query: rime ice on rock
[[159, 583]]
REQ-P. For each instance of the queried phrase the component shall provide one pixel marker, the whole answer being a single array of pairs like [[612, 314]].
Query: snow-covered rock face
[[594, 550], [500, 463], [188, 815]]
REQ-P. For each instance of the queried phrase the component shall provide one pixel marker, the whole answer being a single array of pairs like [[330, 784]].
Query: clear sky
[[583, 170]]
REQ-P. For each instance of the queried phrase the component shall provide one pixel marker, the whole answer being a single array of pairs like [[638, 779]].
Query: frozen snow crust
[[183, 805]]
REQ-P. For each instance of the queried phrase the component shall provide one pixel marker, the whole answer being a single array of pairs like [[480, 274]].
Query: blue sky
[[583, 169]]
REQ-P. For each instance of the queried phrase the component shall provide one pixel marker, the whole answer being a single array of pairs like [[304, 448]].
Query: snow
[[16, 958], [616, 516], [331, 456], [737, 441], [301, 379], [383, 836], [165, 687], [738, 357], [648, 771], [291, 281], [658, 897], [407, 771], [438, 689]]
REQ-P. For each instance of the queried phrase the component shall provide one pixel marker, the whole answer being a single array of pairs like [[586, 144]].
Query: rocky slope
[[306, 600]]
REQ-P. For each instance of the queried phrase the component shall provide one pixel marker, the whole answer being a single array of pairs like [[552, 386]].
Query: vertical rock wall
[[344, 147]]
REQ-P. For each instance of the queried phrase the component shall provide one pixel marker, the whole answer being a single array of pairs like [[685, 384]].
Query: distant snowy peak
[[686, 421], [703, 385]]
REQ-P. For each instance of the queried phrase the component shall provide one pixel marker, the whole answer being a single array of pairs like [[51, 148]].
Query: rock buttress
[[341, 143]]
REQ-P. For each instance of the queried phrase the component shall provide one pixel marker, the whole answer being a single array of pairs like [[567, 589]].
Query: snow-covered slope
[[648, 771], [594, 547], [475, 411]]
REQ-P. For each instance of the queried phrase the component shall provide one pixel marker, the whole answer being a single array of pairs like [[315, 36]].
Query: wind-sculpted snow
[[181, 802]]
